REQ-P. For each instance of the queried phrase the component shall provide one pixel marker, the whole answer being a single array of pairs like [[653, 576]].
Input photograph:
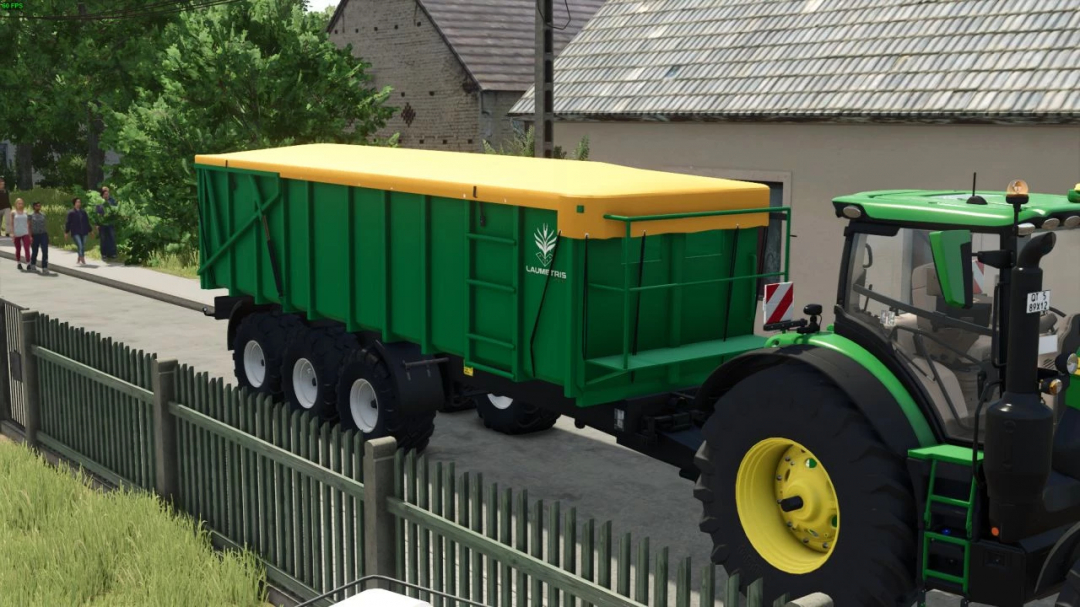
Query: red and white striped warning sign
[[978, 273], [778, 302]]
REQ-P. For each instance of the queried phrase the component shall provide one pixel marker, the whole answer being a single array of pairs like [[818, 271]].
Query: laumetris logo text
[[546, 242]]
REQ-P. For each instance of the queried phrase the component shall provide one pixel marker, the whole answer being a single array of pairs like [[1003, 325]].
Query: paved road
[[581, 468]]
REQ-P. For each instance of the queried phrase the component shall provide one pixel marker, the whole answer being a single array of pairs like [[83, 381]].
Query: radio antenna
[[975, 198]]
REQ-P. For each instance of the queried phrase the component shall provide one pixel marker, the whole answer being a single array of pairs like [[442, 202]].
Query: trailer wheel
[[368, 402], [310, 367], [512, 415], [257, 349], [798, 489]]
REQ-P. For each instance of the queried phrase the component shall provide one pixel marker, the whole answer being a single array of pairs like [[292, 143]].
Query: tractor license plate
[[1038, 302]]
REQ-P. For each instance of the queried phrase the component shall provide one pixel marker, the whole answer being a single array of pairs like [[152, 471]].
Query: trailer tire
[[315, 356], [793, 411], [368, 402], [513, 416], [258, 346]]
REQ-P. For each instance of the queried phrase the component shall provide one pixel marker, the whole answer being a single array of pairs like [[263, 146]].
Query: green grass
[[56, 204], [185, 266], [65, 543]]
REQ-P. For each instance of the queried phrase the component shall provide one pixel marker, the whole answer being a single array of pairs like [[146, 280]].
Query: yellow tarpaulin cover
[[581, 192]]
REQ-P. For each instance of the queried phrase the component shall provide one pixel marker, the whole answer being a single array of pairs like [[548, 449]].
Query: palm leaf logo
[[545, 241]]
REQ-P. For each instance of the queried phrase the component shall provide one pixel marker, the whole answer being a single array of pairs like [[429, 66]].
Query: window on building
[[771, 242]]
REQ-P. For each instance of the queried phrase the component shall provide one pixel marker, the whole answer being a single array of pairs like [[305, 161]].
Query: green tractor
[[946, 348]]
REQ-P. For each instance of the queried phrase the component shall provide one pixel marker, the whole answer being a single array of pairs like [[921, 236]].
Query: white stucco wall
[[819, 162]]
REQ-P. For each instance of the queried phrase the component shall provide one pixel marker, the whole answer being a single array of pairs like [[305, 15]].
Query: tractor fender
[[877, 404], [1064, 555], [420, 387]]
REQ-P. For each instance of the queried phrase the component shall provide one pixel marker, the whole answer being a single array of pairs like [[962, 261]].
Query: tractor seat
[[925, 291]]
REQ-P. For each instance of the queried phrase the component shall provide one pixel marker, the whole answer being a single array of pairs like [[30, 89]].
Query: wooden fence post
[[28, 320], [165, 465], [380, 537]]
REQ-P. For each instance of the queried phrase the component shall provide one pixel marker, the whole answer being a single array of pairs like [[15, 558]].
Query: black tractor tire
[[1070, 592], [518, 418], [325, 349], [412, 432], [873, 561], [270, 331]]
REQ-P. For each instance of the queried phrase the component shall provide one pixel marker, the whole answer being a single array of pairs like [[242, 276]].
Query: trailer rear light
[[994, 531], [1051, 223], [852, 212]]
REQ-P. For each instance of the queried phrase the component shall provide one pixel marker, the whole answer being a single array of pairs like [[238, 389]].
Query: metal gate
[[12, 391]]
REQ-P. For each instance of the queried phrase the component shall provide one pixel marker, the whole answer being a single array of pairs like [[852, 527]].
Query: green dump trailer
[[926, 440], [563, 284]]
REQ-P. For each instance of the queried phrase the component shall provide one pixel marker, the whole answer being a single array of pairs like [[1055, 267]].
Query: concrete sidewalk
[[141, 281]]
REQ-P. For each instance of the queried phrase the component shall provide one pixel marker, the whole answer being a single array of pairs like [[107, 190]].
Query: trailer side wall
[[469, 278]]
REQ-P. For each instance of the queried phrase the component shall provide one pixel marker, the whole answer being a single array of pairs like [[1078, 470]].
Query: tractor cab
[[972, 301], [891, 293]]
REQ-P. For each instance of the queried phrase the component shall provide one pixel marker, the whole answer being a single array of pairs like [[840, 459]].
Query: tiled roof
[[951, 60], [495, 39]]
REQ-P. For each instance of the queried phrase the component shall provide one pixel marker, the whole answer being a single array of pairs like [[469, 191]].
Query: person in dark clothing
[[5, 207], [106, 229], [78, 228], [39, 238]]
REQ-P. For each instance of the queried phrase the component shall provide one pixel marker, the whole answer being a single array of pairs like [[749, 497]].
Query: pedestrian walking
[[19, 228], [77, 228], [106, 228], [39, 239], [5, 206]]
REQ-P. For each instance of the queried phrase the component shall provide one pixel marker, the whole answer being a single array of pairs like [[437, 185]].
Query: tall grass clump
[[64, 543]]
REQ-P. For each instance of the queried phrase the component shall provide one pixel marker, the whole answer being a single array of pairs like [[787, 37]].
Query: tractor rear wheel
[[257, 348], [512, 415], [310, 367], [369, 402], [798, 489], [1070, 592]]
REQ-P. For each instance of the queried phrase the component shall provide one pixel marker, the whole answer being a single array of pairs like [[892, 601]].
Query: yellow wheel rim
[[787, 505]]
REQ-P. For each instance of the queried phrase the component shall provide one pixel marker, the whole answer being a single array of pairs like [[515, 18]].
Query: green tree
[[67, 66], [229, 78]]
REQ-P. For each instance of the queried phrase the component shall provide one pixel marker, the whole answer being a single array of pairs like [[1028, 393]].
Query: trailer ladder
[[934, 528], [472, 334]]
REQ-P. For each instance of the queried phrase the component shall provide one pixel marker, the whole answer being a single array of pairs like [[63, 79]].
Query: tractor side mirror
[[952, 261]]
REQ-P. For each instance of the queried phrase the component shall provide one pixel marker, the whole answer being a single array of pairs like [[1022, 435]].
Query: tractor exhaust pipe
[[1019, 427]]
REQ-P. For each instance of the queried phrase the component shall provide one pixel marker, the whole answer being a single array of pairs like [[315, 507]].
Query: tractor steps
[[948, 522]]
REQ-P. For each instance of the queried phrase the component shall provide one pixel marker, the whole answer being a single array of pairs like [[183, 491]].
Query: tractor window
[[894, 290]]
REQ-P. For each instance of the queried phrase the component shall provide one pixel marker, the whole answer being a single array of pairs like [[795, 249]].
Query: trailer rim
[[364, 405], [305, 383], [502, 403], [254, 364]]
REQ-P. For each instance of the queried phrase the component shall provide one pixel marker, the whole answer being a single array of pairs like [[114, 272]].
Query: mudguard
[[420, 388], [1064, 555], [900, 427], [238, 308]]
